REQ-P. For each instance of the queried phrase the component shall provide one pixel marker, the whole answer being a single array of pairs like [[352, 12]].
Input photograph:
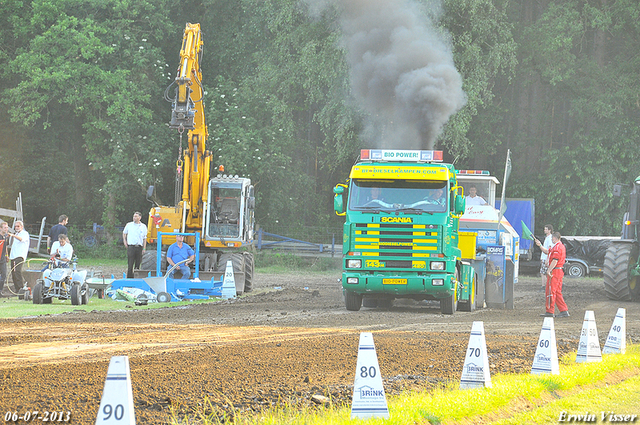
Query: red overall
[[553, 290]]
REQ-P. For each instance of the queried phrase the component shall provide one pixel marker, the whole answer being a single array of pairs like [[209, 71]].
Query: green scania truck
[[401, 238]]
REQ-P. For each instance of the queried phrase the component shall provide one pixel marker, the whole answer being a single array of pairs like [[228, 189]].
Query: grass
[[14, 308], [610, 386], [266, 262]]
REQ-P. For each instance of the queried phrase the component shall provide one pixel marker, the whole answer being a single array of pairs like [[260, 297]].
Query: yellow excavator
[[219, 208]]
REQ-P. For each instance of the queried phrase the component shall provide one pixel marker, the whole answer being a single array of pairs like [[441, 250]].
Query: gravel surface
[[288, 340]]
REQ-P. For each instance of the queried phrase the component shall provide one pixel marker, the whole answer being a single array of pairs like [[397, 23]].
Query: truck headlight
[[437, 282], [437, 265], [352, 280], [354, 264]]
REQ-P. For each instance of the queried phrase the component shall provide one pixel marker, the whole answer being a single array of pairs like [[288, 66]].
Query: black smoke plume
[[402, 70]]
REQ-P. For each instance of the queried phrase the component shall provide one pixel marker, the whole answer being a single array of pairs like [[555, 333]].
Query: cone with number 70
[[475, 372]]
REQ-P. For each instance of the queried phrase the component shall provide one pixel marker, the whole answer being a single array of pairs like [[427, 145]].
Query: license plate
[[394, 281]]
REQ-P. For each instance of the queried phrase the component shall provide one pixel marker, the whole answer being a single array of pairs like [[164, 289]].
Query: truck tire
[[619, 283], [37, 293], [352, 301], [248, 271], [575, 270], [450, 304], [76, 296]]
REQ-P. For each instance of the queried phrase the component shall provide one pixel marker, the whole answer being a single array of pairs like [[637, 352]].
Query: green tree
[[85, 85]]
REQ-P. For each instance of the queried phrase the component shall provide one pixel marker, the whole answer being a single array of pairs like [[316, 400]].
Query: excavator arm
[[188, 114]]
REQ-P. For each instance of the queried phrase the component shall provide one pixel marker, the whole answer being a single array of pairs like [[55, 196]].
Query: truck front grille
[[395, 246]]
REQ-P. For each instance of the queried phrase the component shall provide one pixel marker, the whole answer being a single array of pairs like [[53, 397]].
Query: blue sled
[[179, 289]]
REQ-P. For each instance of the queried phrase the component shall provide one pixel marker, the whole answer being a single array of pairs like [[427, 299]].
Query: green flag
[[526, 233]]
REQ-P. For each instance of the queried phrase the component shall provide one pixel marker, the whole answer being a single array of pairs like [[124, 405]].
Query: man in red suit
[[553, 291]]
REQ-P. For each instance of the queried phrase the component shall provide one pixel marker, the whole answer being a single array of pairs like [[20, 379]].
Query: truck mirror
[[338, 200], [617, 190], [251, 203], [150, 191], [459, 205]]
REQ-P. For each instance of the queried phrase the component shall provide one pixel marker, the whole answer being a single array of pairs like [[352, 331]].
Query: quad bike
[[61, 282]]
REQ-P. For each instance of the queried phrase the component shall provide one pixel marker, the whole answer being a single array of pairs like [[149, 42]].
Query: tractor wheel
[[76, 296], [37, 293], [163, 297], [47, 300], [619, 283], [575, 270], [352, 301], [248, 271]]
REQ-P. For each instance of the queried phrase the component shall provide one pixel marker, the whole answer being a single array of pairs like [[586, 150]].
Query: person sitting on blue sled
[[180, 251]]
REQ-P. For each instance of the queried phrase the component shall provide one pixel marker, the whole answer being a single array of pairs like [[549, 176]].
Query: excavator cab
[[230, 217]]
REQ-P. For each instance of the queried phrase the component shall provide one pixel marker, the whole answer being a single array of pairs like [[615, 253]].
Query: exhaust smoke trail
[[402, 70]]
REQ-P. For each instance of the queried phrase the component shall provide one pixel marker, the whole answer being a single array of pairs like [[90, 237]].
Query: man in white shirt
[[545, 247], [19, 252], [62, 250], [134, 237], [473, 198]]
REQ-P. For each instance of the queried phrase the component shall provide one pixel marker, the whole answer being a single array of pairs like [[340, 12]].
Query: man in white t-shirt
[[545, 247], [134, 237], [62, 250], [19, 252], [473, 198]]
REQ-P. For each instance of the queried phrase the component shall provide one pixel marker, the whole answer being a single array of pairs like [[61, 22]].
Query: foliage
[[83, 120]]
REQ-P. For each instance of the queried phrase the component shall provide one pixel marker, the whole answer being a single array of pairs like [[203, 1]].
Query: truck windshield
[[398, 195]]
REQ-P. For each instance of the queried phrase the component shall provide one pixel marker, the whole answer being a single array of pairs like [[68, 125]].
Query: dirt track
[[276, 344]]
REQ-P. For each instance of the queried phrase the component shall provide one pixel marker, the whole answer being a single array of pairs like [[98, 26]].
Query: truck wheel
[[576, 270], [163, 297], [619, 282], [352, 301], [37, 293], [448, 305], [248, 271], [76, 296]]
